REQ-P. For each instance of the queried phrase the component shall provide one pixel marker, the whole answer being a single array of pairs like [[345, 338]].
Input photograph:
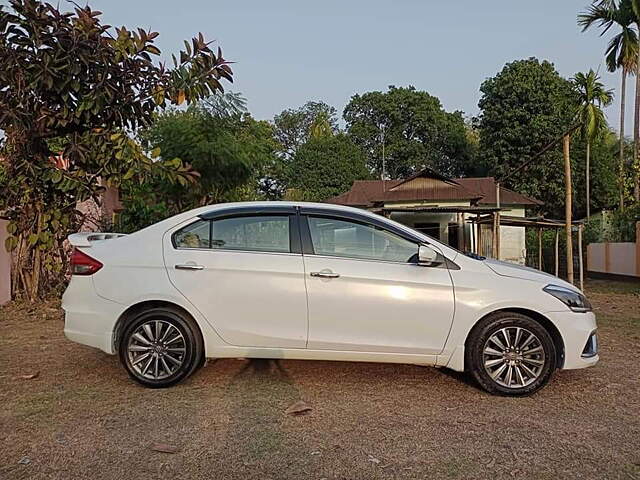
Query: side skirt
[[304, 354]]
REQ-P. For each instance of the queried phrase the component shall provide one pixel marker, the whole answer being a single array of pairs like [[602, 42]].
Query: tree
[[592, 96], [523, 108], [71, 89], [227, 150], [417, 132], [621, 53], [293, 127], [326, 166]]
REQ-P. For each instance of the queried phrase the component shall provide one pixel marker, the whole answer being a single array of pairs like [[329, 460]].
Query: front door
[[367, 294], [244, 276]]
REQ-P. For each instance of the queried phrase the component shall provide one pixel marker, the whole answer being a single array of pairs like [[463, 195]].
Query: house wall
[[5, 266]]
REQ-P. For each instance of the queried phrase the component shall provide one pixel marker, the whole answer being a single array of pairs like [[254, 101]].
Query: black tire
[[188, 350], [543, 353]]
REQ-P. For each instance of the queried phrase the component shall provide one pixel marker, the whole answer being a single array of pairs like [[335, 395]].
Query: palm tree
[[592, 96], [621, 53]]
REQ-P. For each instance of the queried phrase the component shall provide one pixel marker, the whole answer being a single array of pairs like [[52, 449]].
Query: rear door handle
[[325, 274], [189, 266]]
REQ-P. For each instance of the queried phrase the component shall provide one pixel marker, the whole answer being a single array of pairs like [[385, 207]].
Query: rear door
[[244, 272], [367, 294]]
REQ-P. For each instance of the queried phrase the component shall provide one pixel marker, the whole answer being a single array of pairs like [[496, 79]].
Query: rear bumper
[[88, 318], [577, 331]]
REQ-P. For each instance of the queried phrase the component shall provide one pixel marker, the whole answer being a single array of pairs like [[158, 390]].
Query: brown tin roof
[[428, 185]]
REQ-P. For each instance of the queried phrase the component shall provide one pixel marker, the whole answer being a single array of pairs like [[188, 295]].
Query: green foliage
[[70, 90], [230, 151], [326, 166], [293, 127], [524, 107], [417, 132], [592, 96]]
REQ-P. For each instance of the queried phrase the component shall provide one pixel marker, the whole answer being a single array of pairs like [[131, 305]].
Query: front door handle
[[325, 274], [189, 266]]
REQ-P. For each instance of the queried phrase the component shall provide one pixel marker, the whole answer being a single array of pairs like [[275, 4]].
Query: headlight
[[572, 299]]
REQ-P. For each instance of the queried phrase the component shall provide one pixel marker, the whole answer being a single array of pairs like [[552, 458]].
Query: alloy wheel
[[514, 357], [156, 349]]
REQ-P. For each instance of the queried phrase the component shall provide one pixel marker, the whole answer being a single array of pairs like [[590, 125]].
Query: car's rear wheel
[[511, 354], [160, 347]]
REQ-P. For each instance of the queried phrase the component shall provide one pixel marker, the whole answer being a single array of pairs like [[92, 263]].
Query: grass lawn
[[81, 417]]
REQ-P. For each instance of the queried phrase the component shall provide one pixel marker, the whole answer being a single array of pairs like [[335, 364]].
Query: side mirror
[[428, 257]]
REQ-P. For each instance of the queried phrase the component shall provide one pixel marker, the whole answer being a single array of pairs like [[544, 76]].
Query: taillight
[[83, 264]]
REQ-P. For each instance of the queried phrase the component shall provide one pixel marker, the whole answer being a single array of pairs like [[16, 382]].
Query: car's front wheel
[[160, 347], [511, 354]]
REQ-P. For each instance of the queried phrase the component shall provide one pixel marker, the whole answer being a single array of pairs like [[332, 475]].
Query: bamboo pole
[[498, 221], [494, 246], [567, 184], [539, 248], [580, 255], [557, 252]]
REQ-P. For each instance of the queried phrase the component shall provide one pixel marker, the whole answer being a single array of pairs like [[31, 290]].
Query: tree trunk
[[623, 94], [567, 186], [587, 176]]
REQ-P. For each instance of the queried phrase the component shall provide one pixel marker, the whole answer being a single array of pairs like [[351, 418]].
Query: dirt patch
[[81, 417]]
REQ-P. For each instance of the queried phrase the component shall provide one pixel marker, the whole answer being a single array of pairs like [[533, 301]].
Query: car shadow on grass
[[258, 395]]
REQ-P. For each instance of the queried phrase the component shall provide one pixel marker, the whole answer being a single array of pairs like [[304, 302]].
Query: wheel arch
[[537, 316], [134, 310]]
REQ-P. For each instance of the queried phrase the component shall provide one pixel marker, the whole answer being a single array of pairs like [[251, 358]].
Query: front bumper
[[578, 331]]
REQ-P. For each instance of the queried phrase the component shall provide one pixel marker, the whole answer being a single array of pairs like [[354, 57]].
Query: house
[[446, 209]]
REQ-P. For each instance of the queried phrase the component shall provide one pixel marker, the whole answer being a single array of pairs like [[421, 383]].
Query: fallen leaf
[[164, 448], [373, 459], [317, 452], [29, 376], [298, 408]]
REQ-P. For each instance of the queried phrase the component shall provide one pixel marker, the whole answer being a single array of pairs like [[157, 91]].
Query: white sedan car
[[319, 282]]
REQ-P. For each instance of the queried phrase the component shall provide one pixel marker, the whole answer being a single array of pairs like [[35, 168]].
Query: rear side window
[[194, 235], [260, 233], [257, 234]]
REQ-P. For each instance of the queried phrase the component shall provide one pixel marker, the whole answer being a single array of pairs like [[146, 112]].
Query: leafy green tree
[[592, 96], [413, 127], [293, 127], [227, 151], [70, 90], [326, 166], [523, 108], [621, 53]]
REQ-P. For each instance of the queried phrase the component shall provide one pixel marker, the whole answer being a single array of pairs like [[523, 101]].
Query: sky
[[289, 52]]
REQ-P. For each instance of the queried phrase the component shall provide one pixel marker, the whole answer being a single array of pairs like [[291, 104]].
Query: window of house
[[342, 238]]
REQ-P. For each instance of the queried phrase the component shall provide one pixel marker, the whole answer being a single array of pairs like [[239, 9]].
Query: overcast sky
[[288, 52]]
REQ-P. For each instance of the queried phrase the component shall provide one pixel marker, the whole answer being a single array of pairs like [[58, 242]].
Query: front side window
[[342, 238]]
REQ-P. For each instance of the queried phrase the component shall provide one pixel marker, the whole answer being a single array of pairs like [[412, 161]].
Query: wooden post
[[567, 201], [495, 236], [461, 240], [539, 248], [557, 252], [479, 237], [580, 254]]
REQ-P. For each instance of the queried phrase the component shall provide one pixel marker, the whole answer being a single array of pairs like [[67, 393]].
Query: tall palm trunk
[[587, 177], [623, 94]]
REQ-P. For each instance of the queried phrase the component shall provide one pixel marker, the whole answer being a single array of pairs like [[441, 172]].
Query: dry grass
[[81, 417]]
